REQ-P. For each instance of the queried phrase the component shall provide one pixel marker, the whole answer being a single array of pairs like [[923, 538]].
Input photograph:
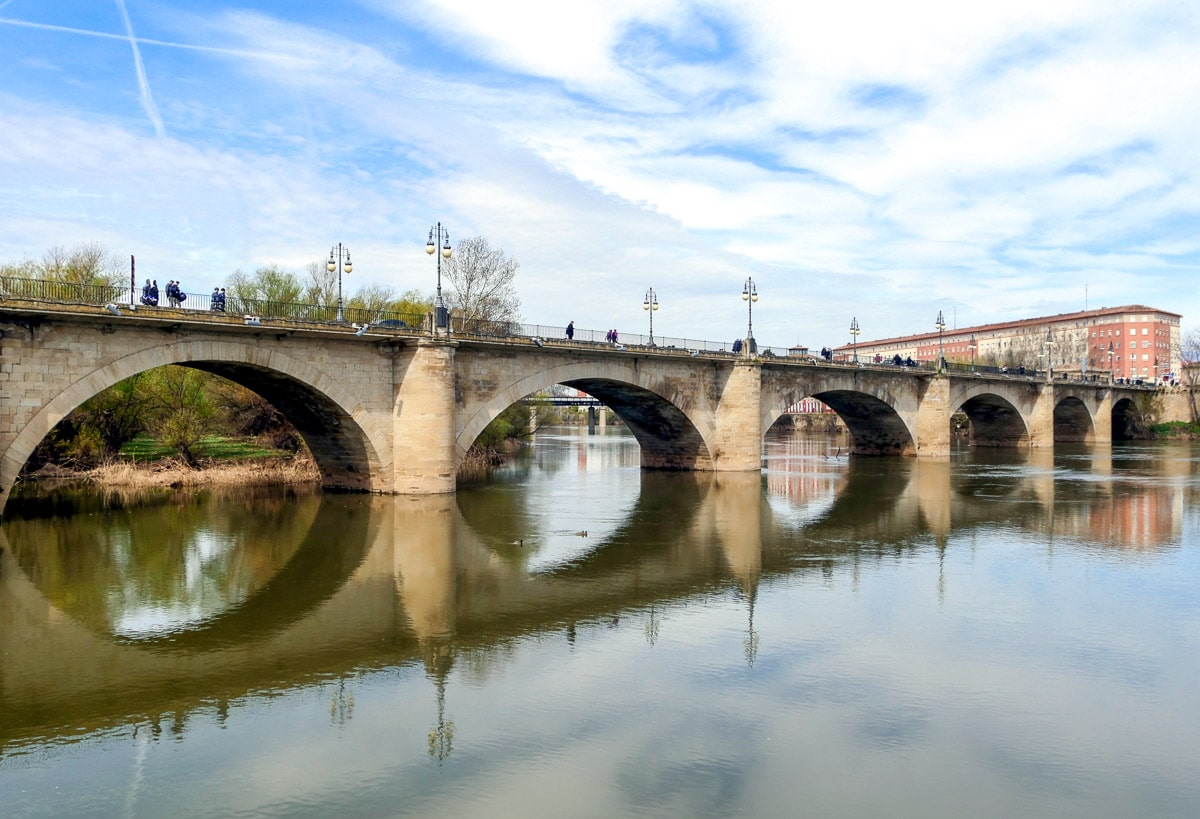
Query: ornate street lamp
[[940, 324], [1111, 375], [749, 295], [972, 345], [339, 260], [854, 331], [650, 304], [442, 237]]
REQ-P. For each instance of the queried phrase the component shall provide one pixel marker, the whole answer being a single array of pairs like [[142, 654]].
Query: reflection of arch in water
[[362, 626], [870, 488], [665, 505], [332, 547]]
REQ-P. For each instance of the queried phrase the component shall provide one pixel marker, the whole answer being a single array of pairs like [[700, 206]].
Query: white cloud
[[868, 157]]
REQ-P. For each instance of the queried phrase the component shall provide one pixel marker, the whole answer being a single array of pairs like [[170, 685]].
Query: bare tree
[[322, 284], [1189, 354], [482, 282], [85, 263]]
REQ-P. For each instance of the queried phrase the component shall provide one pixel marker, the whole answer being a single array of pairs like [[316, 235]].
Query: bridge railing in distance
[[557, 333], [63, 292], [323, 313], [102, 294]]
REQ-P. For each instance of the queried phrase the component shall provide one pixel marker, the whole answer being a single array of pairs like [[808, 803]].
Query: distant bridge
[[561, 401], [394, 409]]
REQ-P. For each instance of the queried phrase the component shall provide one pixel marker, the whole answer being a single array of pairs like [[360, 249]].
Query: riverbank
[[1176, 431], [176, 474]]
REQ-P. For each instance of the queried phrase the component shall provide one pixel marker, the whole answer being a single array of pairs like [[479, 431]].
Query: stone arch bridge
[[394, 412]]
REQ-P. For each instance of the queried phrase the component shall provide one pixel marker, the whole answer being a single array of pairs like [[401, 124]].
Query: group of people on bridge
[[175, 294]]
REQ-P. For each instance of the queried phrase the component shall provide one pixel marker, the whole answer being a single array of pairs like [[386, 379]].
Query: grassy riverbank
[[224, 462], [1176, 431], [176, 474]]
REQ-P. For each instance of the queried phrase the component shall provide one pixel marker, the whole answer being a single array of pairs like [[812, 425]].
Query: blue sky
[[858, 159]]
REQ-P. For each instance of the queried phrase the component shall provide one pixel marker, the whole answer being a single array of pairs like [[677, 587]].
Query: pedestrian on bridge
[[570, 330]]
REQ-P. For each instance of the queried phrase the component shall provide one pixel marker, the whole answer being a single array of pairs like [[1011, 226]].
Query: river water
[[1003, 635]]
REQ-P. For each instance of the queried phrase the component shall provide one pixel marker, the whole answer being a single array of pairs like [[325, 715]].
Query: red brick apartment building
[[1134, 341]]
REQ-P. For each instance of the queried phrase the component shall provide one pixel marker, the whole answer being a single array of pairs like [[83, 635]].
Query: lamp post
[[439, 236], [339, 260], [854, 331], [1049, 352], [650, 304], [1111, 375], [749, 295], [971, 344], [940, 324]]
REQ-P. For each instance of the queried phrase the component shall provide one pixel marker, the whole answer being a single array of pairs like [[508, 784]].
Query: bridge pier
[[1102, 421], [738, 420], [933, 420], [423, 433], [1041, 419]]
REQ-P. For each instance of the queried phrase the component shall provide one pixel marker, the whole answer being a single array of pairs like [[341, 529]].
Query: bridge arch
[[877, 426], [995, 421], [669, 435], [1073, 421], [1124, 412], [344, 440]]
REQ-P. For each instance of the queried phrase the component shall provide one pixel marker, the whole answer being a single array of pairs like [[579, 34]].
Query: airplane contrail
[[104, 35], [143, 84]]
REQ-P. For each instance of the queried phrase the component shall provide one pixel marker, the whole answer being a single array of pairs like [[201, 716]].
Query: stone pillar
[[1102, 421], [423, 429], [738, 420], [933, 420], [1041, 419]]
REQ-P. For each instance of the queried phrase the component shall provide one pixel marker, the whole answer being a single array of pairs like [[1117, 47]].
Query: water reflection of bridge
[[379, 582]]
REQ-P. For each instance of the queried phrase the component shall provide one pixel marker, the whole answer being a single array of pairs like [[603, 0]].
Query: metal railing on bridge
[[200, 304]]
